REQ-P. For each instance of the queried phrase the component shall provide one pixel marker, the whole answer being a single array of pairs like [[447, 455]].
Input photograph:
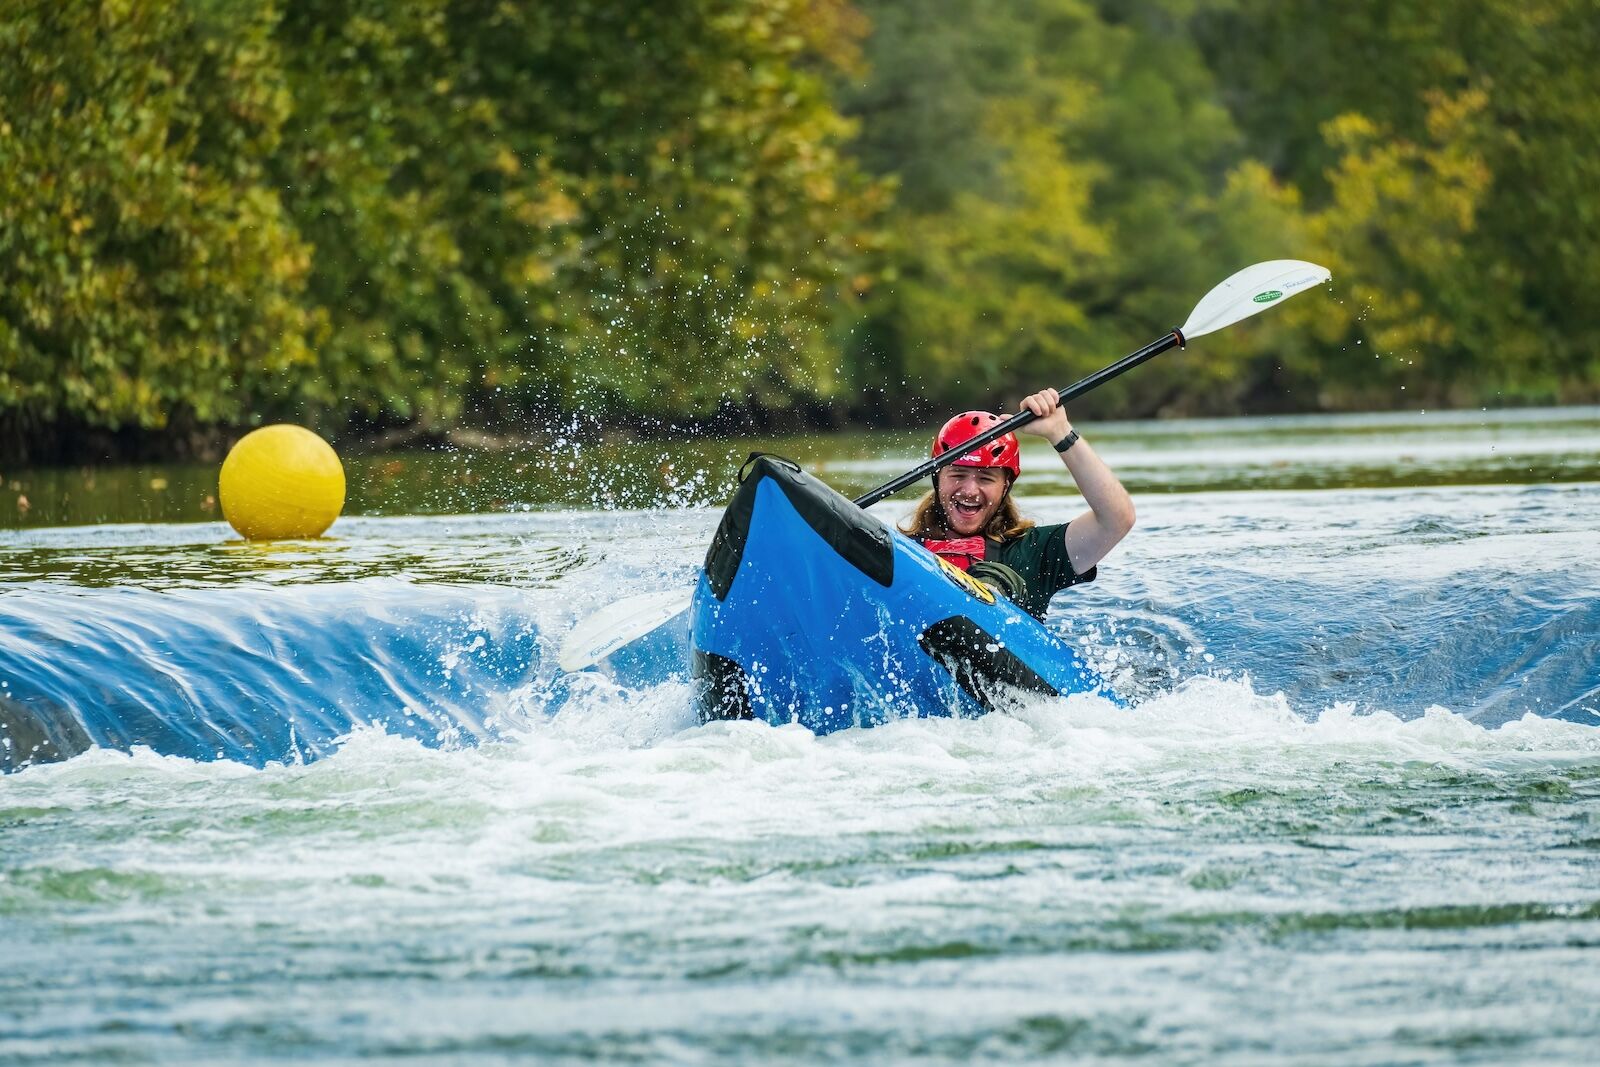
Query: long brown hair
[[928, 520]]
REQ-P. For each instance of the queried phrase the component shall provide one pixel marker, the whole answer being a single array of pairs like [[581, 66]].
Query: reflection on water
[[1289, 452], [505, 550]]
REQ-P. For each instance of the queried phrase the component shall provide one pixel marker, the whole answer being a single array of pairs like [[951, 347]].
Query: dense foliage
[[1074, 173], [214, 212], [222, 210]]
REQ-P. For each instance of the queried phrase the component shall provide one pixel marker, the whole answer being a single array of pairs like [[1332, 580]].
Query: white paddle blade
[[608, 629], [1250, 291]]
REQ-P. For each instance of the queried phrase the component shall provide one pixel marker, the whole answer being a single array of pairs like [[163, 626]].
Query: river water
[[338, 803]]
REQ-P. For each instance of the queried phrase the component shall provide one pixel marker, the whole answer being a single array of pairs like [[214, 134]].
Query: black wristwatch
[[1067, 441]]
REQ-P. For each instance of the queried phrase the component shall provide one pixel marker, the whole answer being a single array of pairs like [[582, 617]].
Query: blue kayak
[[810, 610]]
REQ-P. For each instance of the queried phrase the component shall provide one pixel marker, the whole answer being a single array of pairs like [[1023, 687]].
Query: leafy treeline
[[1074, 174], [213, 211], [429, 212]]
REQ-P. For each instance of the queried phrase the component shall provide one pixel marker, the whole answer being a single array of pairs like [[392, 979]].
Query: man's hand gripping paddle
[[1249, 292]]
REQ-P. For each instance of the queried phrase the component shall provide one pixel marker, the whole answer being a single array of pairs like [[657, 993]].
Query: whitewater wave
[[1485, 602]]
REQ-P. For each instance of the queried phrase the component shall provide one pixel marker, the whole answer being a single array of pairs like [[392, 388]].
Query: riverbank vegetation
[[423, 217]]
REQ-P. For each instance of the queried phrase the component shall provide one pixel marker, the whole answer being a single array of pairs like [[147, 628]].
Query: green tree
[[1399, 230], [594, 205], [1097, 189], [1447, 149], [147, 269], [395, 211]]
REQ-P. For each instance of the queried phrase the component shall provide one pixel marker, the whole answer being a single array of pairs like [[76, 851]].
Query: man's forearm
[[1110, 502]]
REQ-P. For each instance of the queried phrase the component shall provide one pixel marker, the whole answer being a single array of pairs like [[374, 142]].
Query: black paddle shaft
[[1174, 339]]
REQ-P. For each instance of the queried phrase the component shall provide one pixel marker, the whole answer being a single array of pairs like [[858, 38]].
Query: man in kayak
[[970, 520]]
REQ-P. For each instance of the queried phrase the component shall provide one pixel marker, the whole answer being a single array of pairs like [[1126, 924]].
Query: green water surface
[[1286, 452]]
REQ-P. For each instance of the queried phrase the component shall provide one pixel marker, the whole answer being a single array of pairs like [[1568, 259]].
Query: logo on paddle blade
[[1268, 297]]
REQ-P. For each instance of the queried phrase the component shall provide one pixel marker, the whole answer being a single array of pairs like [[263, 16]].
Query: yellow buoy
[[281, 482]]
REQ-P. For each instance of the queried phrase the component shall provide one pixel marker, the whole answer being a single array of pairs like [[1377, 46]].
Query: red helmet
[[1002, 452]]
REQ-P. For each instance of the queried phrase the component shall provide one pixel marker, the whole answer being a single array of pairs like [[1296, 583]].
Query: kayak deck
[[810, 610]]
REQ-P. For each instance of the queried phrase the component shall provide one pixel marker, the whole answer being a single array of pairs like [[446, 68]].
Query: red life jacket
[[961, 552]]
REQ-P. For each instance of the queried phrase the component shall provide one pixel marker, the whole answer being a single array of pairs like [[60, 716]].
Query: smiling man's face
[[970, 496]]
